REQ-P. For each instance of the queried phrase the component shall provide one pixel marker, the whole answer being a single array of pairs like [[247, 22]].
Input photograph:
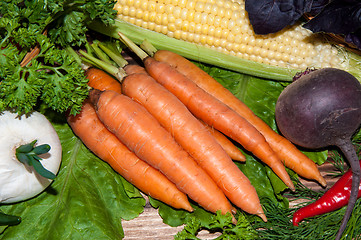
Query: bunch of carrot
[[166, 133]]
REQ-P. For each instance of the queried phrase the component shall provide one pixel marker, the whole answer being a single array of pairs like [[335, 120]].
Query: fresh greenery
[[218, 223], [34, 63], [324, 226]]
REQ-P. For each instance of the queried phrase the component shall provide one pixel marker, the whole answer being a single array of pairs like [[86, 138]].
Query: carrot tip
[[289, 183], [239, 159], [322, 181], [234, 220], [263, 216], [189, 208], [234, 210]]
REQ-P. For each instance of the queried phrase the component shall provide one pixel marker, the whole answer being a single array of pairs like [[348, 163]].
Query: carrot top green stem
[[119, 60], [148, 47], [101, 55], [138, 51], [110, 68]]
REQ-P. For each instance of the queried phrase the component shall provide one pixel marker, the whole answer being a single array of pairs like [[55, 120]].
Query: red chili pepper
[[336, 197]]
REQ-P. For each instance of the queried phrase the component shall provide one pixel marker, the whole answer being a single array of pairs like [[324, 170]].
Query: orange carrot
[[195, 139], [227, 145], [143, 135], [216, 114], [99, 79], [133, 68], [87, 126], [234, 152], [212, 111], [289, 154]]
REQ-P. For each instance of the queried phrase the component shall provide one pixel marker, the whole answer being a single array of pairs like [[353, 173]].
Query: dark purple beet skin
[[319, 108], [323, 108]]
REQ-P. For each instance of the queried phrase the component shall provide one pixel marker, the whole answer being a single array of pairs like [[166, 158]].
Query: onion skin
[[18, 181]]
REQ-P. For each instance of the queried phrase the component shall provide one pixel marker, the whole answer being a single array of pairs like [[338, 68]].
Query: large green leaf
[[87, 200]]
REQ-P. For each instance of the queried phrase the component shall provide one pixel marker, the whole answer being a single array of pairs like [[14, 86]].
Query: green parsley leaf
[[52, 78]]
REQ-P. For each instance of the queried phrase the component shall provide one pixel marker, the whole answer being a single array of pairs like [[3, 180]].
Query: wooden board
[[149, 225]]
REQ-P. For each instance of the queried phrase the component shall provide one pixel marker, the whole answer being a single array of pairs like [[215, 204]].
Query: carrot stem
[[114, 56], [111, 69], [138, 51], [104, 57], [148, 47]]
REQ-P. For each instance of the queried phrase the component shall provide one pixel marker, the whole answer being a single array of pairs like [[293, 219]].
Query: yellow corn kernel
[[191, 4], [224, 26]]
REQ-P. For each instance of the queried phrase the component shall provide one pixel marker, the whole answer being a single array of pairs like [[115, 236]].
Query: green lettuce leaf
[[87, 199], [201, 219]]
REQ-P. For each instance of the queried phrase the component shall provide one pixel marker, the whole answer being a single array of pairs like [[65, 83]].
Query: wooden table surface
[[149, 225]]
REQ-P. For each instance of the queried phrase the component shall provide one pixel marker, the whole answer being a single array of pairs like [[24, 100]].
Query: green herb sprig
[[51, 76]]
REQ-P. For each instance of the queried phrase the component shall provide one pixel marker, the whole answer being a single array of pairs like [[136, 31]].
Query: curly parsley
[[51, 76]]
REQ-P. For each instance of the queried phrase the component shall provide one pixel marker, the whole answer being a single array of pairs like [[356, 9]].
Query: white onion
[[19, 181]]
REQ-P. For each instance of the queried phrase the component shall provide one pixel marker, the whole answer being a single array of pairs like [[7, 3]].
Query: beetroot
[[323, 108]]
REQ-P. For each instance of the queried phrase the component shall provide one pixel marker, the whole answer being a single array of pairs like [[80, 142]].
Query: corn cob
[[223, 27]]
